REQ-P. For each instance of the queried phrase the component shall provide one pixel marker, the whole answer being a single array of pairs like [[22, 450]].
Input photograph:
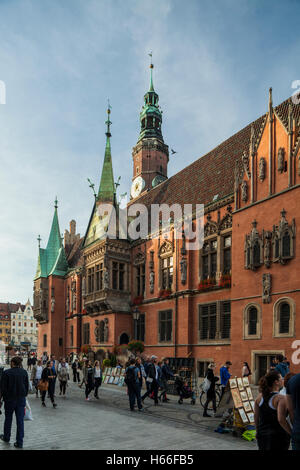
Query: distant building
[[6, 308], [24, 327]]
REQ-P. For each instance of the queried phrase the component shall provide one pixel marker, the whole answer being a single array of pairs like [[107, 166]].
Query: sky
[[60, 61]]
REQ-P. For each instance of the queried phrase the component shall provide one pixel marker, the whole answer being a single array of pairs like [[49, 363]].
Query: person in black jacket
[[48, 375], [211, 393], [166, 374], [14, 389], [152, 378]]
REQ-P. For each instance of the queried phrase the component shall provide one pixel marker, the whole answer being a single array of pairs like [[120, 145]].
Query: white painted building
[[24, 327]]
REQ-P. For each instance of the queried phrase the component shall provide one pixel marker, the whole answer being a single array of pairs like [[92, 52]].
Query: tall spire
[[52, 259], [106, 191], [151, 115]]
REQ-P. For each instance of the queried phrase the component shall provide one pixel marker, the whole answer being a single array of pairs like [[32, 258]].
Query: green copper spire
[[106, 191], [52, 259], [151, 115]]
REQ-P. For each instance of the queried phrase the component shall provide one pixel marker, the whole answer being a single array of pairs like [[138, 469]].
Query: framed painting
[[246, 381], [106, 379], [240, 384], [243, 415], [233, 383], [251, 417], [247, 406], [111, 379], [249, 393], [244, 396], [236, 398]]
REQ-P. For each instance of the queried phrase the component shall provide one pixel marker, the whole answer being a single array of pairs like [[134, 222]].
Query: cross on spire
[[39, 241]]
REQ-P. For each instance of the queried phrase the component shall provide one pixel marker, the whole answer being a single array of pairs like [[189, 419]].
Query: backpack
[[130, 376]]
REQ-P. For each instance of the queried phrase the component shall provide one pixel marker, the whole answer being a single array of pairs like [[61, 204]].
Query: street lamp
[[136, 315]]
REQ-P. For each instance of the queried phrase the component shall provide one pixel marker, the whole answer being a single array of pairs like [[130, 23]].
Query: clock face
[[137, 187]]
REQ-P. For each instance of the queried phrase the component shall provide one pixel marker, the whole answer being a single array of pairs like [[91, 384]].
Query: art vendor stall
[[113, 376]]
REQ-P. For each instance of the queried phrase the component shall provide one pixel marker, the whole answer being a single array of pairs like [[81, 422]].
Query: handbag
[[43, 386], [206, 385]]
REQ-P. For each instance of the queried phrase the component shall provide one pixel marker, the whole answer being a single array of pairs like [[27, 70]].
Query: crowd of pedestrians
[[277, 407]]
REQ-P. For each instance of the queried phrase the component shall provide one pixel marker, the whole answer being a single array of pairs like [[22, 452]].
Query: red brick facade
[[250, 185]]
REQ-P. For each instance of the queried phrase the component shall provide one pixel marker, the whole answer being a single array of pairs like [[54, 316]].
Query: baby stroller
[[184, 391]]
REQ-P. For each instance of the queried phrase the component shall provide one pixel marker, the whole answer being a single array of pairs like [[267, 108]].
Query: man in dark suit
[[13, 391]]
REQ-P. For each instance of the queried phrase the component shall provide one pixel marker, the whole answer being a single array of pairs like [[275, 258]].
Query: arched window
[[284, 318], [124, 338], [252, 321], [101, 332], [286, 244], [284, 312], [256, 254]]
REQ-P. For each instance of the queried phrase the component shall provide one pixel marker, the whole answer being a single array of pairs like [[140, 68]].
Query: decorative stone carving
[[253, 249], [283, 236], [41, 298], [266, 285], [210, 227], [83, 286], [97, 331], [244, 189], [151, 281], [183, 249], [245, 160], [73, 289], [105, 330], [166, 249], [68, 301], [262, 169], [280, 160], [106, 280], [183, 270], [267, 236], [52, 304], [151, 262], [139, 258]]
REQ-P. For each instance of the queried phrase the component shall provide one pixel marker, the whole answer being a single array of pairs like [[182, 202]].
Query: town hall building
[[233, 299]]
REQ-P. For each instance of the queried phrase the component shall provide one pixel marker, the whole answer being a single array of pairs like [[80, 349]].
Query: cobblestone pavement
[[108, 424]]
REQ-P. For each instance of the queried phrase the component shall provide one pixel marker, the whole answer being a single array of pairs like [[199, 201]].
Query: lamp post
[[136, 315]]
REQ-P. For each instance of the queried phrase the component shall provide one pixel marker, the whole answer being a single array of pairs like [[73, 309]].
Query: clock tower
[[151, 154]]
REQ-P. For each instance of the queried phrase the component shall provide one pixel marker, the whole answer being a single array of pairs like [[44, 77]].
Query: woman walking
[[88, 377], [36, 376], [211, 392], [63, 375], [270, 434], [246, 371], [97, 378], [49, 376]]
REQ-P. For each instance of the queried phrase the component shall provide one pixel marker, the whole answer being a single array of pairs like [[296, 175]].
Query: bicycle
[[203, 397]]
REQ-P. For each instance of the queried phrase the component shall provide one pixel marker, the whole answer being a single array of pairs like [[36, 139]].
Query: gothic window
[[167, 272], [284, 311], [71, 335], [165, 325], [118, 276], [90, 280], [140, 279], [283, 240], [45, 341], [286, 242], [86, 333], [209, 259], [99, 276], [225, 320], [124, 338], [252, 321], [101, 331], [139, 328], [215, 321], [253, 249], [227, 255], [284, 318]]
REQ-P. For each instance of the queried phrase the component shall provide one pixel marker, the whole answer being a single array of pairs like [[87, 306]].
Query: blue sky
[[60, 61]]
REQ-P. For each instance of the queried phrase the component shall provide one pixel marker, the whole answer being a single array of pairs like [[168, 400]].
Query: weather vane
[[92, 186], [150, 55], [39, 240]]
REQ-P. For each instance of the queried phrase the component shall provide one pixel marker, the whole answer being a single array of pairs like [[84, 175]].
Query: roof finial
[[56, 203], [290, 117], [151, 68], [108, 122], [270, 104], [39, 240]]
